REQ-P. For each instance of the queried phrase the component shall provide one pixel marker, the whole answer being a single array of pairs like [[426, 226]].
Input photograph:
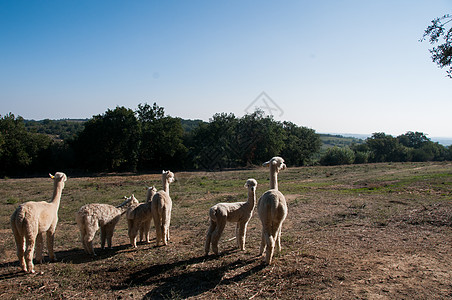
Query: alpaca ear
[[266, 163], [163, 172], [274, 162], [51, 176]]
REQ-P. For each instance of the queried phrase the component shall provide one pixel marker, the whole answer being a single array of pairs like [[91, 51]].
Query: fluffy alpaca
[[161, 209], [92, 216], [238, 212], [139, 218], [31, 219], [272, 210]]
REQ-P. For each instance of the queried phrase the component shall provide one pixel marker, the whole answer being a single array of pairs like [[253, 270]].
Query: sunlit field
[[357, 231]]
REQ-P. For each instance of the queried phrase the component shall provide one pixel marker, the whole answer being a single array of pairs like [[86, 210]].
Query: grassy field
[[362, 231]]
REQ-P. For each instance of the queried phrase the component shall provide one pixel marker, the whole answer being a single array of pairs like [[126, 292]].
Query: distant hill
[[59, 129], [332, 140]]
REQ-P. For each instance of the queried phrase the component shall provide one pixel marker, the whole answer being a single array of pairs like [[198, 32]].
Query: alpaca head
[[133, 200], [150, 191], [168, 176], [276, 164], [58, 177], [128, 201], [251, 184]]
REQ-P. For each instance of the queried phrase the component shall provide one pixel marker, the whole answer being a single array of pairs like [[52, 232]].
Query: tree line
[[381, 147], [145, 139]]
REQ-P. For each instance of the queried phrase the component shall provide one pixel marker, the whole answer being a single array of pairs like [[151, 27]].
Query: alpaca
[[161, 206], [139, 218], [92, 216], [31, 219], [238, 212], [272, 210]]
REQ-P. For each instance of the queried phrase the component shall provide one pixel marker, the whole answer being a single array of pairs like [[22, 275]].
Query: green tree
[[300, 144], [109, 142], [386, 148], [213, 144], [413, 139], [260, 138], [21, 151], [338, 156], [440, 32], [161, 139]]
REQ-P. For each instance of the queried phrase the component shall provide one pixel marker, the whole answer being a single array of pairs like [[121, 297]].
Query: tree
[[259, 138], [21, 151], [109, 142], [300, 143], [213, 144], [386, 148], [161, 139], [413, 139], [338, 156], [439, 33]]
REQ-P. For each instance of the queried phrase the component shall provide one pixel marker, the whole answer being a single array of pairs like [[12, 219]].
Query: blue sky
[[334, 66]]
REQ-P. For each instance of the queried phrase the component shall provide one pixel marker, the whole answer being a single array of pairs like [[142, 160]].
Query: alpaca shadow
[[195, 283], [79, 256], [17, 272], [188, 284]]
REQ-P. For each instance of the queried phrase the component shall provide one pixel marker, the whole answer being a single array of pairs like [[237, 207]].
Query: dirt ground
[[380, 231]]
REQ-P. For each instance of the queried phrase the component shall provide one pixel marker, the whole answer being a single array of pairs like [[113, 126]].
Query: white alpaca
[[272, 210], [31, 219], [91, 217], [161, 209], [139, 218], [238, 212]]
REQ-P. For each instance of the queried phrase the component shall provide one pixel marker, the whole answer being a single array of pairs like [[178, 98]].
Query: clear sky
[[349, 66]]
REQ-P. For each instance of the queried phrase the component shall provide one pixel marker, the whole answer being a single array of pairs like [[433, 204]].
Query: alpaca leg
[[166, 224], [278, 238], [141, 232], [209, 236], [217, 234], [270, 248], [88, 240], [132, 233], [20, 244], [29, 252], [158, 229], [103, 236], [39, 246], [50, 242], [263, 243], [84, 242], [241, 235], [109, 230], [147, 226]]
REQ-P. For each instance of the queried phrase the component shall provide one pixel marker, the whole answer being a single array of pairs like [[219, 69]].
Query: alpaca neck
[[273, 179], [149, 196], [57, 191], [251, 198], [165, 185]]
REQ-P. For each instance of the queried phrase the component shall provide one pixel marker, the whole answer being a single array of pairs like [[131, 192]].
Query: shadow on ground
[[181, 283]]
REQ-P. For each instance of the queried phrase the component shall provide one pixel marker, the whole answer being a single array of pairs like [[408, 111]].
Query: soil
[[355, 232]]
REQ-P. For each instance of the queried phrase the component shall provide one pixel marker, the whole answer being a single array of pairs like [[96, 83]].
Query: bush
[[361, 157], [338, 156]]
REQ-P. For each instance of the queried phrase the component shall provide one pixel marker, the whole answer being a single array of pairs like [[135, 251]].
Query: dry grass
[[365, 231]]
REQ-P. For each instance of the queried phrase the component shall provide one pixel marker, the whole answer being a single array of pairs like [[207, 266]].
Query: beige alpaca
[[237, 212], [139, 218], [272, 210], [91, 217], [161, 209], [31, 219]]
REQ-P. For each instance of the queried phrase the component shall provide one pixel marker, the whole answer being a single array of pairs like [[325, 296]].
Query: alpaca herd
[[31, 219]]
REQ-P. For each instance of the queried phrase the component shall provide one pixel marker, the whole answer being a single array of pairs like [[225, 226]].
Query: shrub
[[338, 156]]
